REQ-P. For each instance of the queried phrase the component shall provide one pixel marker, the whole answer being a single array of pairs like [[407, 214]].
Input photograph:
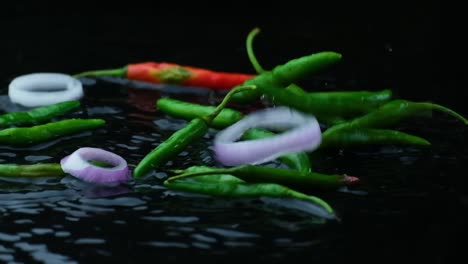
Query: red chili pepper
[[172, 73]]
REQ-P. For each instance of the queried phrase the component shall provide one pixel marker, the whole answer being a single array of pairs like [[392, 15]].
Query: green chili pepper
[[391, 114], [394, 111], [20, 136], [291, 72], [296, 89], [366, 136], [358, 131], [178, 141], [32, 171], [326, 119], [168, 149], [208, 178], [287, 177], [329, 104], [38, 115], [189, 111], [226, 185], [299, 161]]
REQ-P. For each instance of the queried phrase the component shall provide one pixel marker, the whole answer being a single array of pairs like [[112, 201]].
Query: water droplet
[[388, 47]]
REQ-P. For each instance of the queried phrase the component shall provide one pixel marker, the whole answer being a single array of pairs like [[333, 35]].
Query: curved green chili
[[287, 177], [361, 130], [38, 115], [291, 72], [391, 114], [325, 119], [21, 136], [226, 185], [367, 136], [178, 141], [237, 190], [329, 104], [299, 161], [31, 171]]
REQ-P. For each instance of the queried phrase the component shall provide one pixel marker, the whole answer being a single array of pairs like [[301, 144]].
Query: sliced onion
[[39, 89], [300, 132], [78, 164]]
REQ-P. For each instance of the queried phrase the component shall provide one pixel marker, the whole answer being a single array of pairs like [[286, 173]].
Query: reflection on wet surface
[[406, 194]]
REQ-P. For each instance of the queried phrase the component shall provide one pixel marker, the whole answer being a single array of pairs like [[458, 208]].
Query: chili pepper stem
[[119, 72], [209, 118], [258, 68], [448, 111]]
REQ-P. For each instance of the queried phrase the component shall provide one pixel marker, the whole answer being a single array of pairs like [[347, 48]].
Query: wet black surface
[[410, 206]]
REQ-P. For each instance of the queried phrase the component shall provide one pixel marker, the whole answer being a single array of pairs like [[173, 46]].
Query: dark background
[[384, 45]]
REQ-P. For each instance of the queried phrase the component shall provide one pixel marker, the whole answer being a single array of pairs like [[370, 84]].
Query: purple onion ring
[[300, 132], [78, 164]]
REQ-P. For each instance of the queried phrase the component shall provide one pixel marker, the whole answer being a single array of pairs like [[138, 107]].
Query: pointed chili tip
[[349, 180]]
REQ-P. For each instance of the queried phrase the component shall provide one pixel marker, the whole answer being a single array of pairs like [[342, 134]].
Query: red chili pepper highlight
[[172, 73]]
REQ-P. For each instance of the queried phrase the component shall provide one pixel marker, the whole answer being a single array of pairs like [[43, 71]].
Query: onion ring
[[303, 135], [39, 89], [78, 164]]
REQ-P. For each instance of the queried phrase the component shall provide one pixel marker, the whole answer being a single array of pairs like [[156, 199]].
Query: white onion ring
[[77, 164], [303, 135], [30, 90]]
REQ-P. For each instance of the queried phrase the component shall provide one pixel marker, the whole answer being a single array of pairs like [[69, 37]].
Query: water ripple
[[167, 244], [239, 244], [40, 253], [127, 146], [170, 123], [99, 110], [23, 221], [34, 198], [204, 238], [85, 207], [201, 245], [89, 241], [8, 237], [118, 201], [65, 220], [62, 234], [229, 233], [4, 249], [42, 231], [173, 219], [37, 158], [6, 258]]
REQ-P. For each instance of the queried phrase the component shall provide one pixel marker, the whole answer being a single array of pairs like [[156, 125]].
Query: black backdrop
[[384, 45]]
